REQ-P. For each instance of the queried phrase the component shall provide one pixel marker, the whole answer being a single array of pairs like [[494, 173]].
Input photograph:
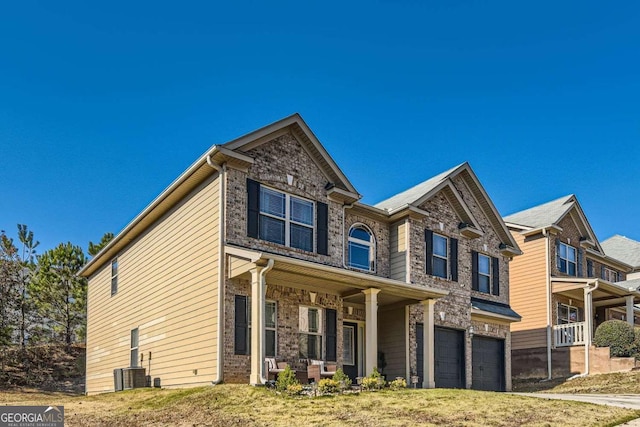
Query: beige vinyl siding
[[398, 250], [528, 288], [392, 341], [167, 287]]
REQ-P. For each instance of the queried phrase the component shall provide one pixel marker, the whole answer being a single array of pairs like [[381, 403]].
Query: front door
[[350, 355]]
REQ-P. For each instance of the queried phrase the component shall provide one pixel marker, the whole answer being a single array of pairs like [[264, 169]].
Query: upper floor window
[[286, 219], [114, 276], [567, 259], [361, 248], [610, 275], [442, 255], [590, 268], [485, 273]]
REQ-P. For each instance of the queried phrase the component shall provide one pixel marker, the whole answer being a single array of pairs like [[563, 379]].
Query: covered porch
[[579, 305], [364, 306]]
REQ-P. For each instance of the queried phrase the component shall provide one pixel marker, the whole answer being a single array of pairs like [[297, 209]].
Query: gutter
[[222, 170], [545, 233], [588, 300]]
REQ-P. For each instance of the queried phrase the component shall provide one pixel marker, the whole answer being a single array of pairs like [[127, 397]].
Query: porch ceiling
[[607, 293], [321, 278]]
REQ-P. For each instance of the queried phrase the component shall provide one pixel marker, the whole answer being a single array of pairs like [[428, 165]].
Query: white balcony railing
[[569, 334]]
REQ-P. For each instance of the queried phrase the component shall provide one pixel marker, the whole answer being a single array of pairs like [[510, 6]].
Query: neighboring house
[[262, 249], [564, 286], [626, 250]]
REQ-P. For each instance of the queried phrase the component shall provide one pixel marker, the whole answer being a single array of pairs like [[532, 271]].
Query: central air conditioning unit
[[133, 378]]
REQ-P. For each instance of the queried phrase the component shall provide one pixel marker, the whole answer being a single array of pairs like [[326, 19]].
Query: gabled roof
[[624, 249], [550, 214], [417, 195], [231, 153], [544, 215], [633, 284]]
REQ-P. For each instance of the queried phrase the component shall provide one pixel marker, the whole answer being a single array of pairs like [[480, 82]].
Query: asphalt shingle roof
[[413, 194], [633, 283], [623, 249], [542, 215], [494, 307]]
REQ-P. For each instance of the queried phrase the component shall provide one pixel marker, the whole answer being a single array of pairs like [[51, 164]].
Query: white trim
[[575, 262], [114, 261], [446, 257], [288, 221], [371, 245]]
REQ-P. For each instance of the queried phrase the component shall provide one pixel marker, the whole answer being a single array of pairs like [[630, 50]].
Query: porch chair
[[274, 368], [318, 369]]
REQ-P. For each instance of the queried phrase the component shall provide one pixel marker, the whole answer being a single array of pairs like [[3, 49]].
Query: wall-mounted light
[[312, 297]]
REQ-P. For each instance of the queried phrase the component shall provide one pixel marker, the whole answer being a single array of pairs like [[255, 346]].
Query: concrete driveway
[[629, 401]]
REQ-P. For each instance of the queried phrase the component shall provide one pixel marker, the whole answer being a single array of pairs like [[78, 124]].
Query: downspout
[[589, 312], [222, 170], [263, 293], [344, 210], [545, 233]]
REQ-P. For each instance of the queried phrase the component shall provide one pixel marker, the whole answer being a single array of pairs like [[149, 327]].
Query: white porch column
[[371, 329], [629, 299], [588, 319], [256, 328], [428, 343]]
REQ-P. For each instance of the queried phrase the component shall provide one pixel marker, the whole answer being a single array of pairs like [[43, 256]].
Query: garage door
[[488, 364], [449, 357]]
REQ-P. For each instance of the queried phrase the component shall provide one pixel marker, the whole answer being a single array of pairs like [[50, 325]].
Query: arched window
[[362, 248]]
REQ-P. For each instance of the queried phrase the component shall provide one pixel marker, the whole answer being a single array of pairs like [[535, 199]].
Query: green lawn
[[241, 405]]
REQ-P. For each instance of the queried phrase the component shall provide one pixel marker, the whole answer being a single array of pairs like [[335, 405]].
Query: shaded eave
[[348, 279], [197, 173], [492, 310]]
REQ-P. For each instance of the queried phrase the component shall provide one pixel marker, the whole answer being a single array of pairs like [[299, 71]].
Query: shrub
[[617, 335], [373, 381], [398, 384], [635, 349], [286, 378], [328, 386], [344, 382], [294, 389]]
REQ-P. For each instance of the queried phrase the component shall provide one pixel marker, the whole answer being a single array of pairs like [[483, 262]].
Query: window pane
[[301, 237], [440, 267], [134, 358], [483, 283], [272, 202], [315, 347], [360, 233], [348, 349], [573, 314], [439, 245], [270, 343], [114, 268], [563, 250], [134, 338], [302, 211], [572, 269], [359, 256], [314, 321], [270, 315], [272, 229], [563, 266], [571, 253], [484, 264]]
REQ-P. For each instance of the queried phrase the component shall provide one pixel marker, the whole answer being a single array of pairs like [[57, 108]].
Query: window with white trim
[[567, 259], [484, 273], [271, 328], [134, 348], [286, 220], [568, 314], [362, 248], [610, 275], [348, 348], [114, 276], [310, 339], [243, 326], [440, 255]]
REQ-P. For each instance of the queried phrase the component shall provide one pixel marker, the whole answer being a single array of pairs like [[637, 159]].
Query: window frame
[[134, 348], [445, 258], [302, 330], [287, 220], [567, 320], [267, 328], [489, 275], [370, 245], [567, 260], [352, 334], [114, 277], [607, 274]]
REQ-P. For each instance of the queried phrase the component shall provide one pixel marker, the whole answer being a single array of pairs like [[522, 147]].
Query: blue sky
[[102, 105]]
